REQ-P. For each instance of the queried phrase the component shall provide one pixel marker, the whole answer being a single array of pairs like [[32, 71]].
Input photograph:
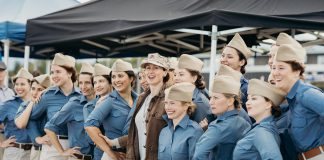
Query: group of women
[[175, 117]]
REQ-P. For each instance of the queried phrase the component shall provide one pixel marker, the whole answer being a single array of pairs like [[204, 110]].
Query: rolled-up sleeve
[[100, 112], [39, 108], [61, 118]]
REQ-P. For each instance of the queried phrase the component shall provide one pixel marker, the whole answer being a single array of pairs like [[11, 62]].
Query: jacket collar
[[183, 123], [293, 91], [227, 114], [58, 89]]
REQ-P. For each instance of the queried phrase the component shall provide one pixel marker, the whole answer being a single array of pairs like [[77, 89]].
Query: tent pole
[[48, 66], [26, 57], [6, 46], [212, 63]]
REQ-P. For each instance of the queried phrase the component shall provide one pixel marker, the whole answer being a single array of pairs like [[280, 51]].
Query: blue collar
[[227, 114], [195, 93], [267, 119], [243, 79], [183, 123], [293, 91], [83, 99], [115, 94], [58, 89]]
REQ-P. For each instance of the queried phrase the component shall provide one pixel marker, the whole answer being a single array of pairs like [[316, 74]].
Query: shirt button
[[144, 133], [146, 121], [144, 146], [149, 109]]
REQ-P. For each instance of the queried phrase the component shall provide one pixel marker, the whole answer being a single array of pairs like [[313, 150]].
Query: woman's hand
[[43, 140], [71, 151], [109, 141], [8, 142], [204, 124]]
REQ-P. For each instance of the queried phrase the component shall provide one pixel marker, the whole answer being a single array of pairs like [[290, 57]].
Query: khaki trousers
[[50, 152], [13, 153]]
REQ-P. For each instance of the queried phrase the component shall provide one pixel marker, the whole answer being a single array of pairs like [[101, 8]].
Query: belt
[[83, 156], [62, 137], [22, 146], [37, 148], [311, 153]]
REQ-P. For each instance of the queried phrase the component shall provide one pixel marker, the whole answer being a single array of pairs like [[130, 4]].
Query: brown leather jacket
[[155, 123]]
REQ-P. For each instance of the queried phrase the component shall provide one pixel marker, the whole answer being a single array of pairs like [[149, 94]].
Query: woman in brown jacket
[[147, 122]]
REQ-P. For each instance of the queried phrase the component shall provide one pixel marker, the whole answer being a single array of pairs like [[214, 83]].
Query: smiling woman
[[8, 110], [115, 109], [305, 101]]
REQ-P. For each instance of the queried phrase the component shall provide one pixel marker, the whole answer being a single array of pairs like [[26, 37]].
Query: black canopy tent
[[117, 28]]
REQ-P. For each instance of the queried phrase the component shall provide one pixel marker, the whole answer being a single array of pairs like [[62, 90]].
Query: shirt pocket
[[162, 154], [298, 122]]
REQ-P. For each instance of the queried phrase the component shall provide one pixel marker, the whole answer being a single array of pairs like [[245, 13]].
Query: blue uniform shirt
[[306, 116], [202, 105], [8, 112], [178, 143], [221, 136], [112, 113], [282, 120], [33, 125], [244, 88], [87, 109], [51, 102], [261, 142], [71, 115]]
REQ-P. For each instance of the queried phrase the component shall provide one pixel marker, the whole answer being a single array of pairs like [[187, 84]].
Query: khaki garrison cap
[[284, 38], [156, 59], [190, 62], [63, 60], [226, 84], [288, 52], [121, 66], [238, 43], [86, 68], [100, 70], [261, 88], [228, 71], [23, 73], [43, 80], [180, 92]]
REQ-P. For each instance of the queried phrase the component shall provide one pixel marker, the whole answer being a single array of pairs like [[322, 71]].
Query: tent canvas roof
[[102, 27]]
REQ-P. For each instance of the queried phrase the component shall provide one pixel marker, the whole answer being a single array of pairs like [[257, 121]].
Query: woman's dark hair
[[87, 73], [71, 70], [275, 110], [130, 74], [35, 73], [242, 57], [28, 81], [107, 77], [296, 66], [167, 77], [199, 83], [237, 100]]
